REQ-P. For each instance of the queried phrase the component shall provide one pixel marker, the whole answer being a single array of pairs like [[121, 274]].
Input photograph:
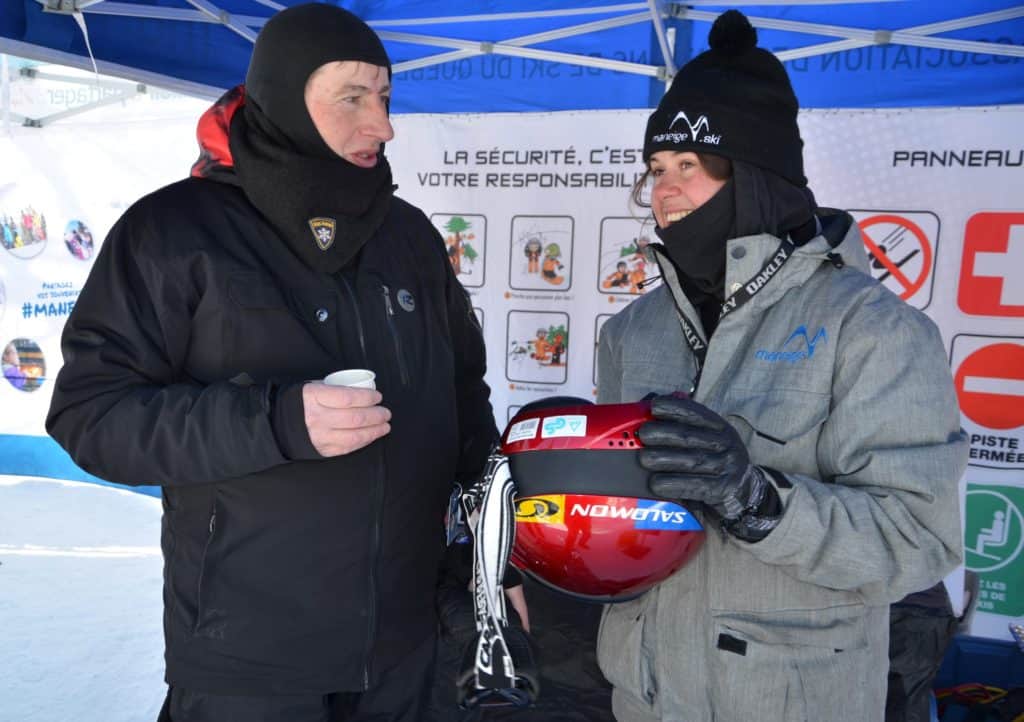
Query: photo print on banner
[[627, 266], [24, 366], [78, 239], [465, 237], [540, 256], [992, 271], [24, 232], [902, 247], [537, 347]]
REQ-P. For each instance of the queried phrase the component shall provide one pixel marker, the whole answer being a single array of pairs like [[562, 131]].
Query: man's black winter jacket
[[284, 572]]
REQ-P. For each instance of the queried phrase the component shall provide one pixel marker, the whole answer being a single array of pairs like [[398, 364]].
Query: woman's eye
[[656, 172]]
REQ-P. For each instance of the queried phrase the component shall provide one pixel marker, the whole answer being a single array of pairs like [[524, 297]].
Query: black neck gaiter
[[768, 203], [323, 207], [753, 201], [696, 244]]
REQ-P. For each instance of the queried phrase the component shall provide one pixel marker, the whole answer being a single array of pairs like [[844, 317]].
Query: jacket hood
[[842, 233], [212, 133]]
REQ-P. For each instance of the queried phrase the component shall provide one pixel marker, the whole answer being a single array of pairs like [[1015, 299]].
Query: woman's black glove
[[696, 455]]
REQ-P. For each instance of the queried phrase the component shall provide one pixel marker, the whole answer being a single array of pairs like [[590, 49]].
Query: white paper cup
[[357, 378]]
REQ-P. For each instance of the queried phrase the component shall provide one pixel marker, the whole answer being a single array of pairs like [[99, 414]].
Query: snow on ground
[[80, 603]]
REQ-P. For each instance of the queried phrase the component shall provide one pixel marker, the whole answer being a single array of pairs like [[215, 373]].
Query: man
[[303, 522]]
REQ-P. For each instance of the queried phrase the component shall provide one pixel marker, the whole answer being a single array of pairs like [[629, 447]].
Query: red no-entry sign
[[990, 386]]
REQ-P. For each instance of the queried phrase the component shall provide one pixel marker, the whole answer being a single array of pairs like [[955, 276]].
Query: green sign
[[994, 547]]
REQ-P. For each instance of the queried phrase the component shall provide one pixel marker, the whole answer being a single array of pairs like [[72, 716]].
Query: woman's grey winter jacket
[[834, 381]]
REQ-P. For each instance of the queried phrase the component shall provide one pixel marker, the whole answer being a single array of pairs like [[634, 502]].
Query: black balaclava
[[324, 207]]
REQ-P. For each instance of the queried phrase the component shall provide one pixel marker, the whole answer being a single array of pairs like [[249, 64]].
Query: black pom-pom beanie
[[734, 100]]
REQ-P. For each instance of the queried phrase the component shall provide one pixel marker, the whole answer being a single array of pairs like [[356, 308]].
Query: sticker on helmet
[[564, 425], [523, 430], [646, 514], [544, 509]]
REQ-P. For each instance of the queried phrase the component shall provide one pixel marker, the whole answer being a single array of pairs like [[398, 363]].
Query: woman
[[805, 411]]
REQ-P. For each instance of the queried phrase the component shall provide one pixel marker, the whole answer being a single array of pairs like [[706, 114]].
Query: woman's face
[[681, 185]]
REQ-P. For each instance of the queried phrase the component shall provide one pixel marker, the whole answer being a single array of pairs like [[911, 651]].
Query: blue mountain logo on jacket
[[798, 347]]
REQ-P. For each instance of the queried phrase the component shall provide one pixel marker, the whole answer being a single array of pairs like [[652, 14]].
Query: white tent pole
[[670, 38], [151, 12], [77, 110], [859, 37], [595, 10], [167, 82], [271, 4], [99, 83], [747, 3], [224, 17], [513, 46], [659, 30], [522, 40]]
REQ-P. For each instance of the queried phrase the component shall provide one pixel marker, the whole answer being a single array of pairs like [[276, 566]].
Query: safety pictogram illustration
[[988, 372], [465, 238], [993, 542], [901, 247], [992, 270]]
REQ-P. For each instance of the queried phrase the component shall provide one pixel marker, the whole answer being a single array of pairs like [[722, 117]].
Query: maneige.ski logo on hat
[[323, 231], [694, 136]]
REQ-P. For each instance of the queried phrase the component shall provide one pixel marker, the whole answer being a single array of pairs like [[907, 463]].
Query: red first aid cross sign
[[992, 271]]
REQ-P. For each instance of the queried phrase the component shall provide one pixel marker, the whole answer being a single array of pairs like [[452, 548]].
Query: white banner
[[534, 209]]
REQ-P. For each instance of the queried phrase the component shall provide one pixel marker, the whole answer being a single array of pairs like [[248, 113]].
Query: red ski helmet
[[586, 522]]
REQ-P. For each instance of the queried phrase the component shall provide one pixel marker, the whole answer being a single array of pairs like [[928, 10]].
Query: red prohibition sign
[[910, 287]]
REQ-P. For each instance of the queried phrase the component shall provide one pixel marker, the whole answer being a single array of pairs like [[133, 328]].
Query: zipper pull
[[213, 521], [387, 300]]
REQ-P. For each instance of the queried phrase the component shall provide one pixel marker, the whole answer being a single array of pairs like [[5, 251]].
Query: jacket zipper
[[355, 308], [202, 570], [394, 335], [376, 506]]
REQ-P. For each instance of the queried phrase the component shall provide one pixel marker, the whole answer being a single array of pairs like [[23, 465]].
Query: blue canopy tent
[[534, 55], [544, 55]]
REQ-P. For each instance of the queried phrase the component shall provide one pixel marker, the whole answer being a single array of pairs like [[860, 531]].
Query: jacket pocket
[[210, 620], [624, 651], [793, 665], [780, 426]]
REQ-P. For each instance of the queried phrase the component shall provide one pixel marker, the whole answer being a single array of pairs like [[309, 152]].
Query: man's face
[[348, 103]]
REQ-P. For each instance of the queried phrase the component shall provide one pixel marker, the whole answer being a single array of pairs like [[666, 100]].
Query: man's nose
[[380, 123]]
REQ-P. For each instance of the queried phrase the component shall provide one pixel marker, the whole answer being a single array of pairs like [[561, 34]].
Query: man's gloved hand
[[696, 455]]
